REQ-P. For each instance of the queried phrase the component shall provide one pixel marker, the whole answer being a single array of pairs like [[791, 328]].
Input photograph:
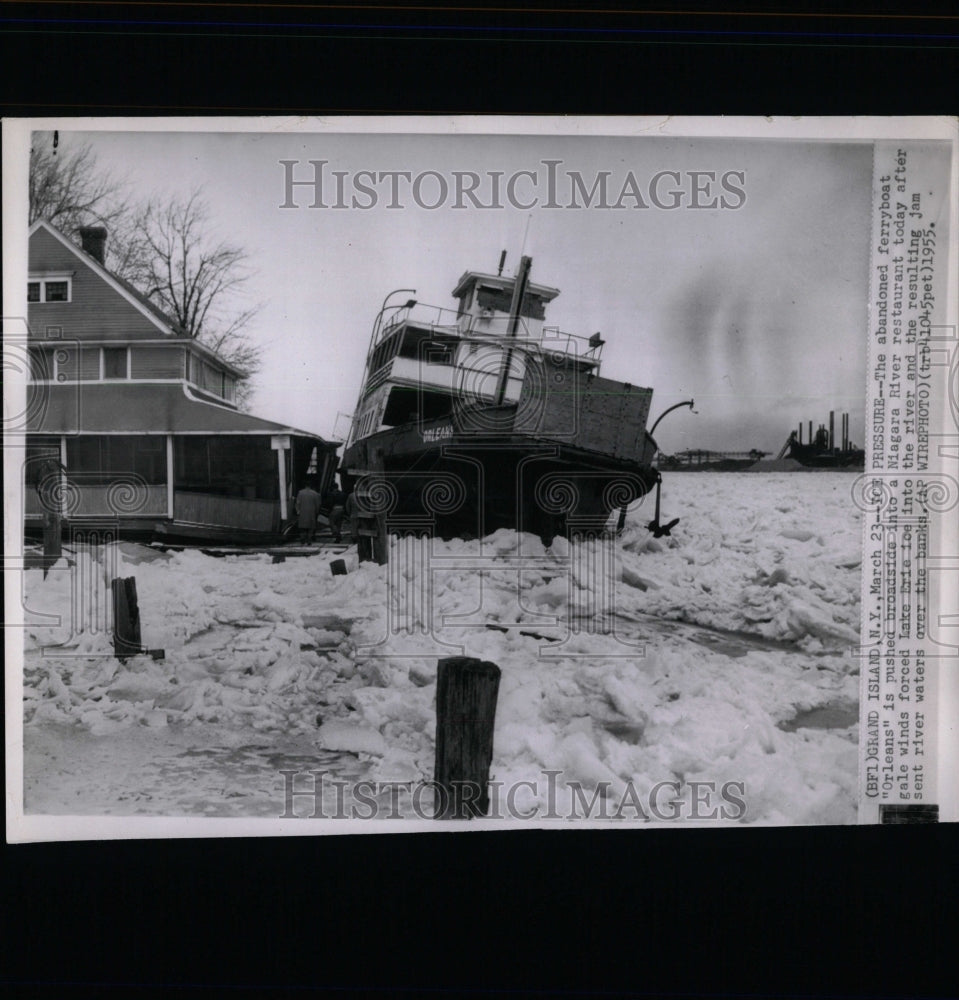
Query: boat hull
[[468, 486]]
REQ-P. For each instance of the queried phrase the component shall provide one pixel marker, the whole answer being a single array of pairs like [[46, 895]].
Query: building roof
[[135, 293], [545, 292], [146, 305], [126, 408]]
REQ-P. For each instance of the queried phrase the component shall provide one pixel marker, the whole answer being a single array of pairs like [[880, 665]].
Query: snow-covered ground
[[702, 657]]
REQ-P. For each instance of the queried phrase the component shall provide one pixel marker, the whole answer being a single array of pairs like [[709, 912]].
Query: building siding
[[156, 362], [96, 310], [41, 364], [88, 369]]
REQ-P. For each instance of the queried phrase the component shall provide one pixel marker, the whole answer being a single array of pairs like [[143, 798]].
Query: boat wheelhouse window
[[406, 405], [464, 302], [421, 346], [439, 353], [384, 352], [500, 299]]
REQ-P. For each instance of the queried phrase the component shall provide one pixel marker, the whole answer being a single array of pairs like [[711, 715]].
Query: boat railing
[[559, 341], [463, 377], [550, 341], [378, 377], [436, 318], [439, 320]]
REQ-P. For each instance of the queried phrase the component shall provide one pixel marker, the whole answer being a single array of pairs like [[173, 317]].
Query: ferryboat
[[484, 416]]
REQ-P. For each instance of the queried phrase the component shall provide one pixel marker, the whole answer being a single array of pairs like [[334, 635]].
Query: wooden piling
[[364, 541], [52, 540], [466, 692], [372, 543], [381, 542], [126, 618]]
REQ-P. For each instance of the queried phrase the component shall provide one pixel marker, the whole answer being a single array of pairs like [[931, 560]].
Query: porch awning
[[99, 408]]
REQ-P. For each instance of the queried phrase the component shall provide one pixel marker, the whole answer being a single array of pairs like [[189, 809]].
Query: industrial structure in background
[[704, 460], [822, 450]]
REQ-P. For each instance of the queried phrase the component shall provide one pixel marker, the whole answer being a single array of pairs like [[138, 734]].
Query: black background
[[788, 912]]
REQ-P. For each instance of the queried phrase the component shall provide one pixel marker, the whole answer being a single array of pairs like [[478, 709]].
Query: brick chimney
[[93, 239]]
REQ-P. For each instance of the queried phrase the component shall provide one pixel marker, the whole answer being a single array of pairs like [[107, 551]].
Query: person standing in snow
[[364, 544], [349, 509], [336, 501], [307, 508]]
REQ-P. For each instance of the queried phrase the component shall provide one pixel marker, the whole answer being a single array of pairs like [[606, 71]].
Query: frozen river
[[721, 654]]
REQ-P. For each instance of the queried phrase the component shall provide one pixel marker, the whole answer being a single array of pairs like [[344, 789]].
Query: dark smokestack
[[93, 239], [832, 429], [810, 432], [502, 261]]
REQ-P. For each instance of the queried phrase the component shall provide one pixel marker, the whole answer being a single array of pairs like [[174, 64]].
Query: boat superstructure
[[484, 416]]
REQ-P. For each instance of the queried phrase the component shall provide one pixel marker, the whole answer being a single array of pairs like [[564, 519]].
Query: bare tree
[[174, 258], [166, 249], [69, 189]]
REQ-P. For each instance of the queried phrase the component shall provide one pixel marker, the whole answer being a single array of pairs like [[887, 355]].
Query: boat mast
[[519, 293]]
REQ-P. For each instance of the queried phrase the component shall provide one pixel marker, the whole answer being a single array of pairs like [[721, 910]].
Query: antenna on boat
[[502, 261], [525, 234], [520, 285]]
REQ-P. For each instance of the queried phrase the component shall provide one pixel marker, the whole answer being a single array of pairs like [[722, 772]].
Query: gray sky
[[757, 312]]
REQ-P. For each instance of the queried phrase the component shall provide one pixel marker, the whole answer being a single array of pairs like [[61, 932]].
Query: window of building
[[49, 290], [211, 378], [192, 461], [99, 461], [228, 465], [114, 362]]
